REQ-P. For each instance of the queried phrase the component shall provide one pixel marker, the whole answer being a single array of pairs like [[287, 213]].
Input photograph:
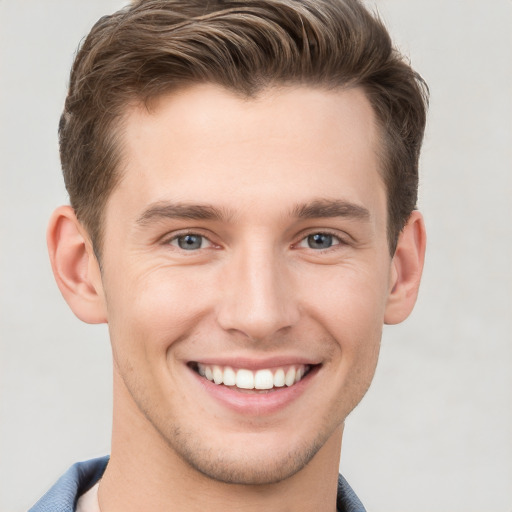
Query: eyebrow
[[164, 210], [330, 208], [315, 209]]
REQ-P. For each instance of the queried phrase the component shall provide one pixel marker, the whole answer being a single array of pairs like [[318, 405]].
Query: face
[[246, 273]]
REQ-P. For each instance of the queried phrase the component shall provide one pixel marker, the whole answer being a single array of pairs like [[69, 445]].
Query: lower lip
[[256, 404]]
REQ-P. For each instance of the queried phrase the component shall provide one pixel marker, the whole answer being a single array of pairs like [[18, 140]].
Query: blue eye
[[319, 241], [189, 242]]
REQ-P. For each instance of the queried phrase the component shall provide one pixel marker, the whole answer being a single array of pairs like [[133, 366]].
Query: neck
[[145, 473]]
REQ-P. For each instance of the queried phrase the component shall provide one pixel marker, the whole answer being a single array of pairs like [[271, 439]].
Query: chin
[[253, 466], [255, 458]]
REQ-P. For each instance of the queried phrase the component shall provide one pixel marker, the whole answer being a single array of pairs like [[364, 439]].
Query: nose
[[258, 297]]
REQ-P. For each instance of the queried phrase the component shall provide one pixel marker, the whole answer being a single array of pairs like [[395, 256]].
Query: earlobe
[[407, 267], [75, 266]]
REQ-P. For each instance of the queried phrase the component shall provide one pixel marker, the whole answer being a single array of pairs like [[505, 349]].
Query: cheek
[[151, 310], [351, 308], [353, 315], [351, 302]]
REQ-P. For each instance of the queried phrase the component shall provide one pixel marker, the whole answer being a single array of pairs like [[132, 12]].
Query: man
[[243, 181]]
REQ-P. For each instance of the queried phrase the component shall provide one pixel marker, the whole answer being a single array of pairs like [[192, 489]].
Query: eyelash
[[177, 236], [339, 241]]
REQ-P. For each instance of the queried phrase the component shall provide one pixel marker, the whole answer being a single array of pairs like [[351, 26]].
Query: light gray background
[[435, 431]]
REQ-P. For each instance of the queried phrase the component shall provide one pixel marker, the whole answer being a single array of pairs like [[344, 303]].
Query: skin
[[262, 175]]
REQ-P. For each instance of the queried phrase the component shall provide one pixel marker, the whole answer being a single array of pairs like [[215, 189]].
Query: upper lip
[[251, 363]]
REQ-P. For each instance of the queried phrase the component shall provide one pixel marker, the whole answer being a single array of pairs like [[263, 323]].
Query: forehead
[[205, 144]]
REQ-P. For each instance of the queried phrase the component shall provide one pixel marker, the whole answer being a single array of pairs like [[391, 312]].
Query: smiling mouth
[[261, 381]]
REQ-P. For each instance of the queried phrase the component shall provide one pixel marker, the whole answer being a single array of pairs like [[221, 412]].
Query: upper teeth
[[247, 379]]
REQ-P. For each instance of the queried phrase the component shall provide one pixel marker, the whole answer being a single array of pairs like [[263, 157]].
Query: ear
[[75, 266], [406, 269]]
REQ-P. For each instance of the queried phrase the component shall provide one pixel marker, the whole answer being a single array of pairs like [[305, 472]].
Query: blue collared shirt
[[80, 477]]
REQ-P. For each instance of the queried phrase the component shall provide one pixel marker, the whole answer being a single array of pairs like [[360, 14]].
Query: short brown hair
[[154, 46]]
